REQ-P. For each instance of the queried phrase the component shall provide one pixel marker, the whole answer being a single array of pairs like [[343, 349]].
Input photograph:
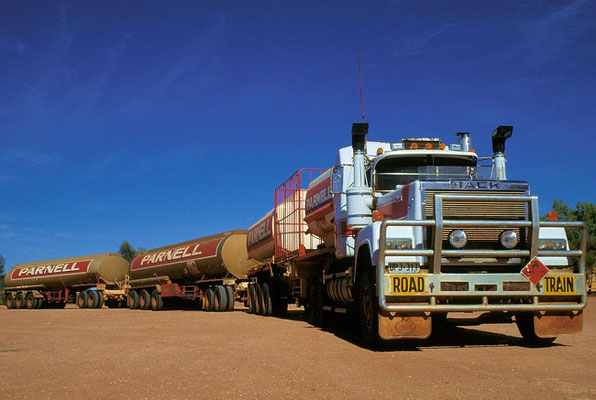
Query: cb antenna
[[360, 76]]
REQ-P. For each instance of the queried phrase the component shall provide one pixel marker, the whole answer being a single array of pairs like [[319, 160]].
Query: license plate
[[403, 268], [408, 284], [559, 284]]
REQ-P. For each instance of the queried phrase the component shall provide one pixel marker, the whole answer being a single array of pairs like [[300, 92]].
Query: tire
[[221, 298], [82, 299], [100, 298], [230, 295], [19, 301], [266, 305], [132, 301], [314, 308], [208, 300], [279, 300], [38, 303], [30, 301], [9, 301], [156, 301], [258, 295], [92, 299], [367, 307], [144, 300], [525, 325], [252, 299]]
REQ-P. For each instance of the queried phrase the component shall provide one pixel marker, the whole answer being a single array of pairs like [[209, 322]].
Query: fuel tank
[[259, 240], [63, 273], [320, 212], [208, 257]]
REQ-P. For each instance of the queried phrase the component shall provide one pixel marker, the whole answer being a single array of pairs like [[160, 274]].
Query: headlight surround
[[458, 238], [508, 239], [552, 244], [398, 243]]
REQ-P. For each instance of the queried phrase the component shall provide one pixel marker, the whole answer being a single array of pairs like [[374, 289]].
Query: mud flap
[[405, 326], [553, 324]]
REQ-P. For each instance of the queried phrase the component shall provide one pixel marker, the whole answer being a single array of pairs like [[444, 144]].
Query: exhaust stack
[[499, 136], [359, 196]]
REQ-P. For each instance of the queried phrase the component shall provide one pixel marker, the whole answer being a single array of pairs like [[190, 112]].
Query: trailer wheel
[[9, 301], [221, 298], [367, 307], [145, 300], [92, 299], [38, 303], [230, 295], [252, 299], [156, 301], [266, 306], [30, 301], [19, 300], [259, 294], [208, 300], [82, 299], [278, 300], [525, 325], [100, 300], [133, 300]]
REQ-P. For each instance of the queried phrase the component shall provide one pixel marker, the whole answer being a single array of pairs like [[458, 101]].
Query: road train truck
[[207, 272], [405, 234], [87, 281]]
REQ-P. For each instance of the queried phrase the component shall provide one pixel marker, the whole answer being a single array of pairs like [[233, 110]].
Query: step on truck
[[208, 273], [405, 234], [88, 281]]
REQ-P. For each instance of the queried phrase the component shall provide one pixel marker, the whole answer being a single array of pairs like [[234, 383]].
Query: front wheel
[[525, 324], [368, 308]]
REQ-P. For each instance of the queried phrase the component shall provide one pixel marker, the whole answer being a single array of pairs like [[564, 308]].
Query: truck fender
[[367, 244]]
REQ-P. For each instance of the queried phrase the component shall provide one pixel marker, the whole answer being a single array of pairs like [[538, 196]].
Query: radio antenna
[[360, 76]]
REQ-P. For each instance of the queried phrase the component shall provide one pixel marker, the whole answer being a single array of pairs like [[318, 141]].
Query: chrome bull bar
[[436, 252]]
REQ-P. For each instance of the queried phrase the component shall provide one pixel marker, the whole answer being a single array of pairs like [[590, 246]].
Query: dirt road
[[119, 353]]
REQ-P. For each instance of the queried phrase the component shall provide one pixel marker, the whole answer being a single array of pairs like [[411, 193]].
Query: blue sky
[[162, 121]]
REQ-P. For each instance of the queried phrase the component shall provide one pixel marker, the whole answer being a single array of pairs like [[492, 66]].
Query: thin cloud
[[418, 43]]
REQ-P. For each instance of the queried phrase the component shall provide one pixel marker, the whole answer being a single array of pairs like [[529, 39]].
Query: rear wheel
[[525, 324], [19, 300], [266, 306], [92, 299], [258, 295], [100, 301], [230, 294], [9, 301], [38, 303], [156, 301], [82, 299], [221, 298], [314, 307], [367, 307], [132, 300], [252, 298], [208, 300], [144, 300], [30, 301], [279, 299]]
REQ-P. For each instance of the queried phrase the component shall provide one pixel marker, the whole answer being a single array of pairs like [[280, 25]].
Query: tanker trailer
[[205, 272], [54, 283]]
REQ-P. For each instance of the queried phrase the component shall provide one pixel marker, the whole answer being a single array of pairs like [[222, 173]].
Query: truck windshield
[[401, 170]]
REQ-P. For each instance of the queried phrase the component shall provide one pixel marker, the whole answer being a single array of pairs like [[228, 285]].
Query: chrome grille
[[485, 210]]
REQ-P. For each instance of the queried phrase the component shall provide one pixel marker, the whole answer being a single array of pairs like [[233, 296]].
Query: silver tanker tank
[[208, 257], [61, 273]]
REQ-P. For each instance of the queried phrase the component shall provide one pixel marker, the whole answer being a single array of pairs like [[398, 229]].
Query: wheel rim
[[367, 307]]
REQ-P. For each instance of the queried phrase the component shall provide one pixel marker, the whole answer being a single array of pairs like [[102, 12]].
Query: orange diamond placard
[[535, 271]]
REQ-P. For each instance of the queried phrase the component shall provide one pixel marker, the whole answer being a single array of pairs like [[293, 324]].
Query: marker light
[[379, 151], [508, 239], [458, 238], [552, 216], [414, 146], [442, 146], [378, 215]]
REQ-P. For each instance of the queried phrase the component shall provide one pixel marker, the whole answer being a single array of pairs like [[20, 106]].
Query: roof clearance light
[[442, 146], [379, 151], [428, 145], [414, 146], [552, 216]]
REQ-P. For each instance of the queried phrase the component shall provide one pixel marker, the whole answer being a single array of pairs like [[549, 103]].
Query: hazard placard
[[535, 271]]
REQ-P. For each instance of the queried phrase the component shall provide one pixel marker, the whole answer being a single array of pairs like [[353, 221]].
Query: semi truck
[[87, 281], [405, 234], [207, 273]]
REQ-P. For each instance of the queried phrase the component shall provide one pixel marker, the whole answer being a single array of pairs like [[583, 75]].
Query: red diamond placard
[[535, 271]]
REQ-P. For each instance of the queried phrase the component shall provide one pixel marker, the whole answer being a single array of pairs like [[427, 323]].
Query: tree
[[128, 252]]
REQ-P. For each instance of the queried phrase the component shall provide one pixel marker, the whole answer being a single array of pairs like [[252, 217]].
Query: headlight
[[458, 238], [552, 244], [398, 244], [508, 239]]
